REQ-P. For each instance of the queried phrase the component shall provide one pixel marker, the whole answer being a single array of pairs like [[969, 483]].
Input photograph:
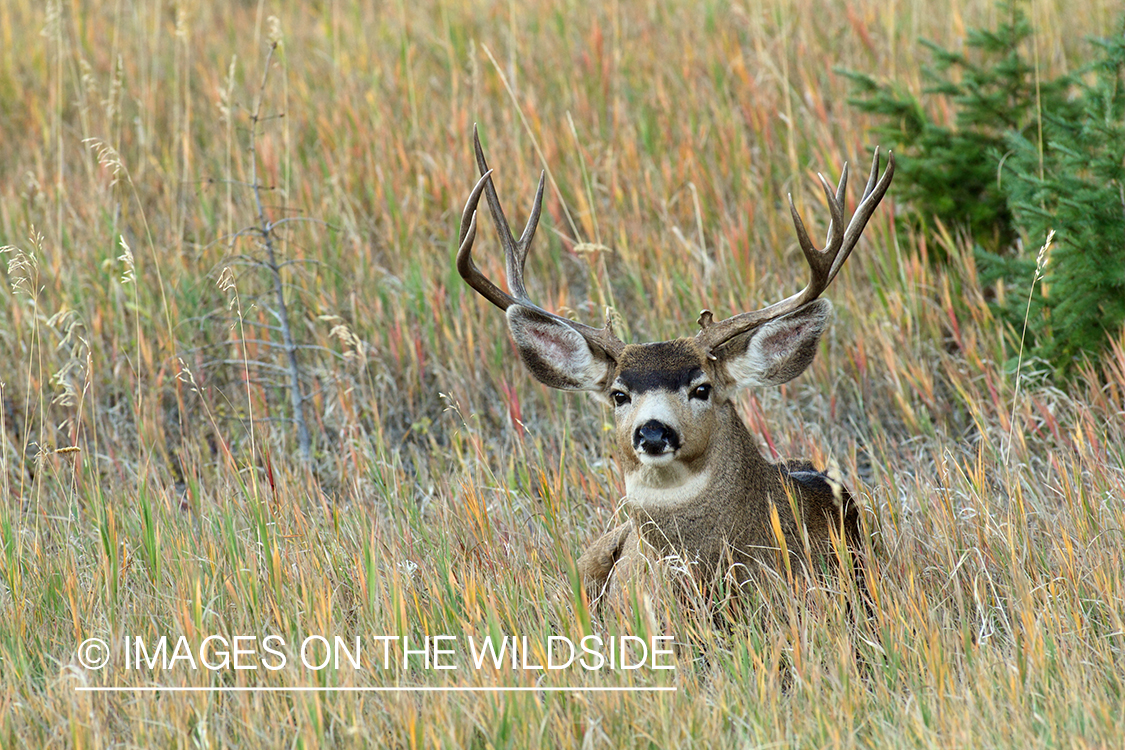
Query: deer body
[[698, 491], [707, 507]]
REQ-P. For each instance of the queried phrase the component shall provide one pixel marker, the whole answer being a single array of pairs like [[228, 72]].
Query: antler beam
[[515, 256], [823, 264]]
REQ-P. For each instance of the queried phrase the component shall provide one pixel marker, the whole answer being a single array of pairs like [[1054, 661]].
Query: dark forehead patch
[[670, 365]]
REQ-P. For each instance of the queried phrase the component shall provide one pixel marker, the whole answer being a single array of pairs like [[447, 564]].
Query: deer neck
[[687, 508]]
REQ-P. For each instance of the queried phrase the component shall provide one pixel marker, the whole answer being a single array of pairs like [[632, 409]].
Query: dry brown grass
[[150, 485]]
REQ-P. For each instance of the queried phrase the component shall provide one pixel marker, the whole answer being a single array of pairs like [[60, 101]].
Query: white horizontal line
[[418, 689]]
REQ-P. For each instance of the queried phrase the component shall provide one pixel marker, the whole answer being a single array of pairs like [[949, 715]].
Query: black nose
[[655, 437]]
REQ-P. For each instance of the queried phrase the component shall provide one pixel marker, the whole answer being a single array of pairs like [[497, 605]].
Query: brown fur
[[727, 529], [698, 490]]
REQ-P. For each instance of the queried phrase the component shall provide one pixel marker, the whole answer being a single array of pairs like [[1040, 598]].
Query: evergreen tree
[[1021, 158]]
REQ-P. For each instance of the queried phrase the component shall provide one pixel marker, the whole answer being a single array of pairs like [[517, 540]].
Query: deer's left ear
[[556, 354], [777, 351]]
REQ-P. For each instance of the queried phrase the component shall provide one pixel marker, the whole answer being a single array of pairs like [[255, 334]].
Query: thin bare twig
[[266, 228]]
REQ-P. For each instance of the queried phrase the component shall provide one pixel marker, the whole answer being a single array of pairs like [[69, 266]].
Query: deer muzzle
[[654, 438]]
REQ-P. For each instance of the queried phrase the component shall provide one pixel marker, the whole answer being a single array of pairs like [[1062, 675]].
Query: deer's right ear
[[556, 354]]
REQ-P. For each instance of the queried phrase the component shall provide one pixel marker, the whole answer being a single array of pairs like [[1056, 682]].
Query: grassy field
[[152, 478]]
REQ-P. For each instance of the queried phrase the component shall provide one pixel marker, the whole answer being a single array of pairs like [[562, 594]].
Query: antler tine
[[515, 262], [465, 265], [820, 261], [515, 255], [834, 202], [873, 194], [515, 252], [823, 264], [875, 171]]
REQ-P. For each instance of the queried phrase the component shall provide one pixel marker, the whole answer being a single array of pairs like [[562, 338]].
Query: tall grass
[[150, 479]]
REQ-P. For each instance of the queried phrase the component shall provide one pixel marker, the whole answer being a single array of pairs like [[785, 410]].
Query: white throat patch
[[664, 486]]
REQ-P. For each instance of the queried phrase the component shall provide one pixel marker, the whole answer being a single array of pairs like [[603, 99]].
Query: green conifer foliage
[[1079, 192], [1022, 157]]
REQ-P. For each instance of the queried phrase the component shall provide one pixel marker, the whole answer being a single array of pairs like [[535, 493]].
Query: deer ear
[[556, 354], [777, 351]]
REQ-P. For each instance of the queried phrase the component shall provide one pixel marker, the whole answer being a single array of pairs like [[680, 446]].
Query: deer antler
[[515, 257], [824, 264]]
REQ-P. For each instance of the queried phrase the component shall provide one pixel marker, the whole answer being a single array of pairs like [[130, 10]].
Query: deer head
[[769, 346]]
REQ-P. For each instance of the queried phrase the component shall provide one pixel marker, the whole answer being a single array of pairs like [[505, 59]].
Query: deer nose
[[655, 438]]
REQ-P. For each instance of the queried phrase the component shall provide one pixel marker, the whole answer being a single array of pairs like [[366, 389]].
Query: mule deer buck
[[698, 490]]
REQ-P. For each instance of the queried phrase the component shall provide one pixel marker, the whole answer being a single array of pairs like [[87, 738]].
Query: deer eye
[[702, 392], [620, 398]]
